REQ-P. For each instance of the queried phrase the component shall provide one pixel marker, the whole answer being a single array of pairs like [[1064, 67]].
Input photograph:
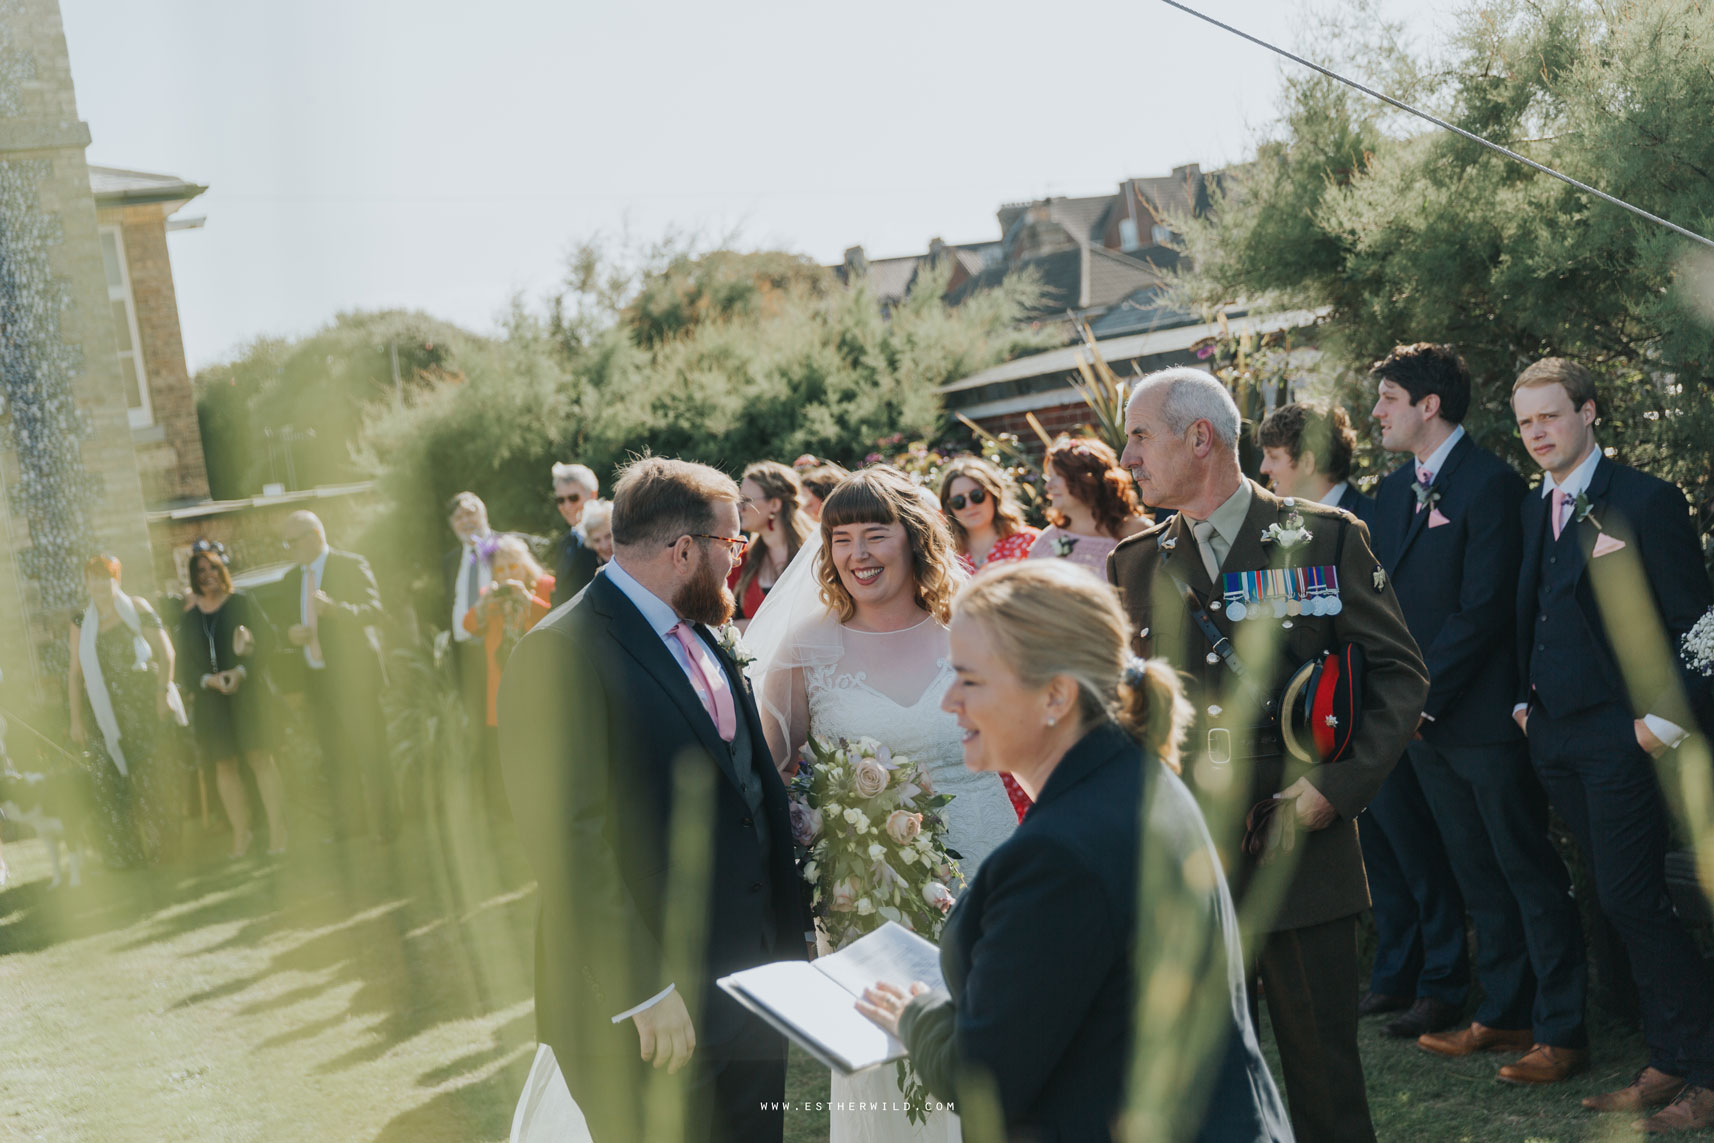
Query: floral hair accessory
[[1135, 672]]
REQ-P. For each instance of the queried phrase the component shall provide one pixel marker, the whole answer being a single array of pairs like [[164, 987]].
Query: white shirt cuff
[[1520, 708], [645, 1005], [1668, 732]]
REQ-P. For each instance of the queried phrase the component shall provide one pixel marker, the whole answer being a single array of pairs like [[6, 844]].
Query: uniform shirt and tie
[[1216, 535], [708, 679], [306, 609], [474, 574], [1562, 500]]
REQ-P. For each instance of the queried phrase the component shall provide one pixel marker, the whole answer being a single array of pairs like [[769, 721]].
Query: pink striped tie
[[1423, 477], [709, 681], [1560, 499]]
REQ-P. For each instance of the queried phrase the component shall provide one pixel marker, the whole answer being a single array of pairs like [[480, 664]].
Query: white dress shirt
[[1436, 460], [1576, 485], [306, 602], [1334, 495], [461, 604]]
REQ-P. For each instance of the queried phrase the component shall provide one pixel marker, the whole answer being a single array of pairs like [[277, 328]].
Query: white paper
[[891, 953], [816, 1009]]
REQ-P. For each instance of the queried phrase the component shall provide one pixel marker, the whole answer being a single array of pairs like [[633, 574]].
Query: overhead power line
[[1441, 123]]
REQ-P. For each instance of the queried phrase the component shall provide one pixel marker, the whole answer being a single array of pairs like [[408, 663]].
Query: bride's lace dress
[[888, 686]]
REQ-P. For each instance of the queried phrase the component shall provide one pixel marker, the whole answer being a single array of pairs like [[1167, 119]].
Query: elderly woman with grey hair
[[575, 487]]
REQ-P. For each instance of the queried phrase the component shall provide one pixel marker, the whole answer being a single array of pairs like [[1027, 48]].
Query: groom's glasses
[[956, 503], [733, 543]]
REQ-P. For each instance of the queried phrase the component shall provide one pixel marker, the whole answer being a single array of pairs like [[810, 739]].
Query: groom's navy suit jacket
[[631, 813], [1457, 584], [1656, 581]]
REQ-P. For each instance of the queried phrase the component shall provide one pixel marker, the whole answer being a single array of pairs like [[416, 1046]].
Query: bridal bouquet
[[872, 846], [871, 840]]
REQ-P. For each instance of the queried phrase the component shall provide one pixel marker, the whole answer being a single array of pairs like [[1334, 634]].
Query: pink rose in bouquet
[[903, 827]]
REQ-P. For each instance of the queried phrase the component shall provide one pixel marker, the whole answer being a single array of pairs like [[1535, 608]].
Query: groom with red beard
[[657, 826]]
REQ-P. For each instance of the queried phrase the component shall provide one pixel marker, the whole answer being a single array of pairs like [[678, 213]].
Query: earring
[[1053, 721]]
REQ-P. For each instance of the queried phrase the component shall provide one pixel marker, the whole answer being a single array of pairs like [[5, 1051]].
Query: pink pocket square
[[1606, 545], [1436, 518]]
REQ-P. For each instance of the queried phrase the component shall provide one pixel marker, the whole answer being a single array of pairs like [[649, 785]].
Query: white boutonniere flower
[[1427, 496], [1582, 509], [1289, 535], [1697, 646], [733, 644]]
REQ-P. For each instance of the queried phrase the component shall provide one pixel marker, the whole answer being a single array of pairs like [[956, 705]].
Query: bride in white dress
[[851, 642]]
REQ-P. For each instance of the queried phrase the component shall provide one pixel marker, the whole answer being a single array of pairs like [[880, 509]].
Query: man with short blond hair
[[1611, 563]]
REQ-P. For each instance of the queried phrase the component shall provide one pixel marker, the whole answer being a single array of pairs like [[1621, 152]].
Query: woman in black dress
[[121, 692], [224, 639]]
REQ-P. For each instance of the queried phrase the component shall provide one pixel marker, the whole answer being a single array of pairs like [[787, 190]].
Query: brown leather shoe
[[1693, 1110], [1545, 1064], [1650, 1089], [1476, 1038]]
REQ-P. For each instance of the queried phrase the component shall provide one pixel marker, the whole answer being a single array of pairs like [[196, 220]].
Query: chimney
[[856, 262]]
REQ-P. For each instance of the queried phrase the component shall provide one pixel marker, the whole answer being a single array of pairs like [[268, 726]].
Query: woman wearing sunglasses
[[986, 523]]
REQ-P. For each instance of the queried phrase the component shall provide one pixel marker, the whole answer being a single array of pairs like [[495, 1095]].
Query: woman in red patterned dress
[[983, 514]]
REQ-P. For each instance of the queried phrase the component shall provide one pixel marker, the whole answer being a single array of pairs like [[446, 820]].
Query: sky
[[365, 154]]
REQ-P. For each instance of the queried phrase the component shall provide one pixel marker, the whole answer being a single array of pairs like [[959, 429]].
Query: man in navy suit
[[1306, 453], [1421, 961], [1612, 578], [651, 812], [1445, 526]]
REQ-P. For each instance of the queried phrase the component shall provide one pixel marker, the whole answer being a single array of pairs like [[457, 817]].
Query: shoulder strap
[[1221, 645]]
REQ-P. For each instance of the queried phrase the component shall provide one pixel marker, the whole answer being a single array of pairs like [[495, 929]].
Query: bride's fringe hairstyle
[[884, 495], [1049, 618]]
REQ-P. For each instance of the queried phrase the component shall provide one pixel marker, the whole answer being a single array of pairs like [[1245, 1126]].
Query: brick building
[[1103, 262], [133, 213], [69, 474]]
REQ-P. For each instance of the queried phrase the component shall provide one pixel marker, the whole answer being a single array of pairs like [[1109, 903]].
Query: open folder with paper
[[814, 1003]]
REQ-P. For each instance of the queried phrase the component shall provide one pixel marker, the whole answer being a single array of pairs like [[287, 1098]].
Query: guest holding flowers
[[1089, 953], [771, 513], [224, 640], [1092, 504], [120, 688], [983, 515]]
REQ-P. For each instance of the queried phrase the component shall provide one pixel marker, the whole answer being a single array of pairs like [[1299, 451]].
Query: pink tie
[[709, 681], [1423, 477], [1560, 500]]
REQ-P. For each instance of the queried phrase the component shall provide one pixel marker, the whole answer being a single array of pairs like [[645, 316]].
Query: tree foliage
[[319, 388], [1407, 235], [724, 357]]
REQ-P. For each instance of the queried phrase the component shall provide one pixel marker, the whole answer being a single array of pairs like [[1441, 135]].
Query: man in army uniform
[[1283, 581]]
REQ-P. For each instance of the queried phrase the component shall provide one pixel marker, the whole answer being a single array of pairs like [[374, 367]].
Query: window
[[1127, 234], [131, 373], [1162, 235]]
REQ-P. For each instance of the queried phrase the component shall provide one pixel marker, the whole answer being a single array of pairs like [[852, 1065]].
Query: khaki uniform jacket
[[1328, 882]]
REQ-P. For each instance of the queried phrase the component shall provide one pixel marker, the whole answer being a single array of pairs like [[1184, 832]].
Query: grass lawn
[[384, 994]]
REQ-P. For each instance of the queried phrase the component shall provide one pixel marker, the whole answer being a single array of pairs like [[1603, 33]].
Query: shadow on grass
[[476, 1112]]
